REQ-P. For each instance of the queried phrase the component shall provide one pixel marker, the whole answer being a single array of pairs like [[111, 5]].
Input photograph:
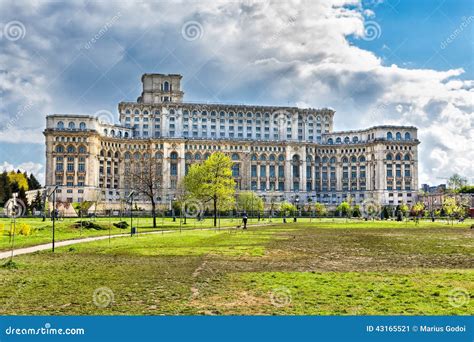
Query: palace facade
[[282, 153]]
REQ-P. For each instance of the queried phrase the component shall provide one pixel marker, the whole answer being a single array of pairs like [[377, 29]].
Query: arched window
[[206, 156], [188, 156], [325, 160], [389, 156], [116, 155], [317, 160], [126, 135], [362, 159], [332, 160], [338, 140], [253, 157], [174, 155], [353, 159], [345, 160], [136, 156], [166, 86], [235, 156], [106, 132], [398, 157], [309, 159], [71, 149], [263, 157], [347, 140], [71, 125], [272, 157], [109, 154], [398, 136], [235, 170], [296, 158], [127, 156], [82, 149], [197, 156], [389, 136], [112, 133], [60, 125], [82, 126], [330, 141], [355, 140], [407, 157], [407, 136], [59, 149], [281, 157], [158, 155]]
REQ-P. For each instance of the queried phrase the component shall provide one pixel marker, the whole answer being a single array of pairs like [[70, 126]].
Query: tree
[[417, 210], [453, 208], [20, 180], [5, 188], [249, 201], [456, 182], [33, 183], [320, 209], [467, 189], [356, 211], [344, 209], [145, 179], [287, 209], [212, 181]]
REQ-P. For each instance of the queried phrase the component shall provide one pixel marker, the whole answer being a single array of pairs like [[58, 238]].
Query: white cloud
[[30, 167]]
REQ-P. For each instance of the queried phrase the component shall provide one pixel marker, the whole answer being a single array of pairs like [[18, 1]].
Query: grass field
[[65, 229], [316, 268]]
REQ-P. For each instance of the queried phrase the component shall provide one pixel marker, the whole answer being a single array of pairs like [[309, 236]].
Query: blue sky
[[374, 62]]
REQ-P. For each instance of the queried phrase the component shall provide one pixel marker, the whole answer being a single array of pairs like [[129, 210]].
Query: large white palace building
[[279, 152]]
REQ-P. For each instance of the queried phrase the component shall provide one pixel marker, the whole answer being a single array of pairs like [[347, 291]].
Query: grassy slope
[[301, 268]]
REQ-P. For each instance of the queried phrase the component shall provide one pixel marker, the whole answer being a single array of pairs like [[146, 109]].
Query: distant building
[[282, 153]]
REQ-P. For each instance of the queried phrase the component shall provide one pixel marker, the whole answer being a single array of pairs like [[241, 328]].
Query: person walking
[[244, 220]]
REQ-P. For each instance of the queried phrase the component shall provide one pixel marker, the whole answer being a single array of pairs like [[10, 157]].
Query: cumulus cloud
[[257, 51]]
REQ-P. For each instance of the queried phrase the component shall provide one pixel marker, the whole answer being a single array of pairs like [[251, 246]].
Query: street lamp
[[54, 211], [130, 196], [297, 199]]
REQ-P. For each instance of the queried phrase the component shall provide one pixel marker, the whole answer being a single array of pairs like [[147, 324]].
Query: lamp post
[[54, 212], [297, 199], [131, 211]]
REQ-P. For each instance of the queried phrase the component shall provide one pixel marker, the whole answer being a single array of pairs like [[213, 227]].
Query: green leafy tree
[[37, 203], [211, 182], [417, 211], [33, 183], [5, 188], [356, 211], [344, 209], [320, 209], [249, 202], [453, 208], [287, 209], [20, 180]]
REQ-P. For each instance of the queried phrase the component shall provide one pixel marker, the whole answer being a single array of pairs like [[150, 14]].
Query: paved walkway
[[45, 246]]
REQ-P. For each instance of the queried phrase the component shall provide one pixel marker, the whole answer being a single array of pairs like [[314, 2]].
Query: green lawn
[[65, 229], [313, 268]]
